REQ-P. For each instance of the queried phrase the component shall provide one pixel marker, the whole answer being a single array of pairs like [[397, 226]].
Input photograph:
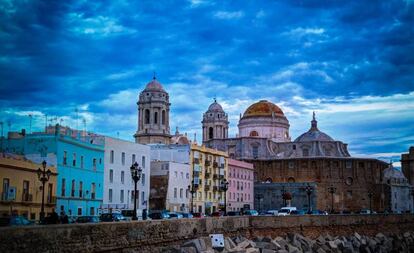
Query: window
[[81, 165], [143, 178], [155, 117], [254, 134], [74, 160], [79, 211], [122, 177], [143, 162], [111, 157], [210, 133], [255, 152], [49, 193], [349, 194], [133, 159], [110, 195], [122, 196], [80, 189], [348, 164], [163, 117], [92, 211], [123, 158], [143, 197], [6, 185], [187, 175], [175, 174], [111, 176], [305, 152], [72, 194], [147, 116], [175, 193], [94, 163], [181, 193], [63, 188], [93, 189], [182, 175], [65, 157], [25, 190]]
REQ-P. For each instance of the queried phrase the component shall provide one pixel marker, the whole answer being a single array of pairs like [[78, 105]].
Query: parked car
[[365, 211], [271, 212], [159, 215], [250, 212], [14, 221], [319, 212], [217, 214], [187, 215], [174, 215], [297, 212], [198, 215], [108, 217], [233, 213], [286, 210], [87, 219], [128, 214]]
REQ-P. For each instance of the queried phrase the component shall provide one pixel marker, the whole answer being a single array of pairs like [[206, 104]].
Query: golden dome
[[263, 108]]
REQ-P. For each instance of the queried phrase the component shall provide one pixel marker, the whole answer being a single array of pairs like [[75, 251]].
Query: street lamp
[[309, 191], [43, 176], [332, 190], [259, 198], [370, 194], [136, 175], [225, 187], [192, 189]]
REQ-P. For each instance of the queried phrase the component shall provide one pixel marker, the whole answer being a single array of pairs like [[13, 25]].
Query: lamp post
[[332, 190], [370, 194], [44, 176], [225, 187], [136, 175], [192, 189], [309, 191], [259, 198]]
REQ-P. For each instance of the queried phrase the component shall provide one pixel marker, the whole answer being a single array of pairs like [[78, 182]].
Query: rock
[[282, 251], [320, 250], [267, 245], [356, 235], [268, 251], [293, 249], [229, 244], [188, 250], [258, 238], [246, 244], [199, 244], [332, 244], [267, 239]]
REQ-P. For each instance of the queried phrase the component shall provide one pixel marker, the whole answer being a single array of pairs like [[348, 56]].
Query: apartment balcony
[[196, 161], [93, 195], [207, 163], [215, 164], [215, 188], [221, 172], [215, 176], [51, 200], [208, 174], [197, 167], [206, 187], [26, 197], [221, 176]]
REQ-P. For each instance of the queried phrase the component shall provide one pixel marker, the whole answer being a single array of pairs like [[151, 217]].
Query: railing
[[215, 176], [215, 188], [208, 174], [221, 172], [206, 187], [197, 167], [196, 160], [215, 164], [207, 163], [51, 200], [221, 176], [26, 197]]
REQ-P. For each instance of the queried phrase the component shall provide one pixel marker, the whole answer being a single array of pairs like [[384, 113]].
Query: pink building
[[240, 192]]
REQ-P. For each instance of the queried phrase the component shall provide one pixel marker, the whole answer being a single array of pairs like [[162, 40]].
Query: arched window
[[155, 117], [163, 117], [254, 134], [210, 133], [255, 152], [147, 116]]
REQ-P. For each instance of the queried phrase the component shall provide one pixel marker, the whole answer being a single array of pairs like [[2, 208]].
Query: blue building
[[79, 161]]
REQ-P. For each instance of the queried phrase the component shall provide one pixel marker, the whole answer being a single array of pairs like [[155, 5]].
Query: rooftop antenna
[[77, 117], [154, 76], [215, 99], [30, 122]]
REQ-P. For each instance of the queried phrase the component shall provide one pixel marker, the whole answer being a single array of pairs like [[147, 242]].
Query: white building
[[169, 186], [118, 183]]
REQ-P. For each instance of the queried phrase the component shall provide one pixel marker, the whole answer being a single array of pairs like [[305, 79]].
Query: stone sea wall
[[158, 236]]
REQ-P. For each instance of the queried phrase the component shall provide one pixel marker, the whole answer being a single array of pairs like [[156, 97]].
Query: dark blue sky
[[350, 61]]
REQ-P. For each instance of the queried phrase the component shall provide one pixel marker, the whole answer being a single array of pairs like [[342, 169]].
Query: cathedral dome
[[154, 85], [263, 108], [314, 134], [215, 107]]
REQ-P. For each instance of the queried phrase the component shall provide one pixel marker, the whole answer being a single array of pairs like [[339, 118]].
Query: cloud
[[228, 15]]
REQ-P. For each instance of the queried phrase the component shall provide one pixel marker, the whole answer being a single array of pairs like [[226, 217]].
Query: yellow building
[[21, 191], [209, 169]]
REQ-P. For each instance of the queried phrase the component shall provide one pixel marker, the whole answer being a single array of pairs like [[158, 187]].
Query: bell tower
[[215, 123]]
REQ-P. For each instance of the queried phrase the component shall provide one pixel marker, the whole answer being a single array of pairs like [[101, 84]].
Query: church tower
[[215, 123], [153, 115]]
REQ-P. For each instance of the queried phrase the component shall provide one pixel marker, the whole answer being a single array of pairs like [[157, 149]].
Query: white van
[[286, 210]]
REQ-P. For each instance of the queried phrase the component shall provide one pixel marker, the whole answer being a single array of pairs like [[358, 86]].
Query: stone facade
[[153, 115], [241, 185], [270, 196], [397, 191]]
